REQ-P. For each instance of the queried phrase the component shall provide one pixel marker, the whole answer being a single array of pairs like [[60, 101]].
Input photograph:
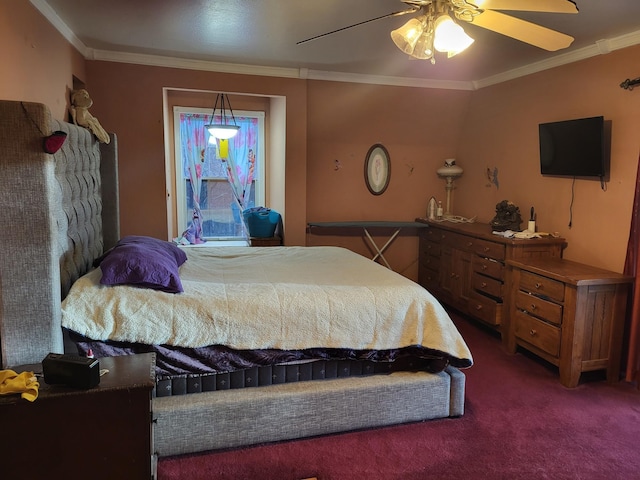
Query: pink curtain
[[194, 144], [241, 159], [632, 267]]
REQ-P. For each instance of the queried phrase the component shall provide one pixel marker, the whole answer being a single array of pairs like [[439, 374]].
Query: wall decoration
[[492, 177], [377, 169]]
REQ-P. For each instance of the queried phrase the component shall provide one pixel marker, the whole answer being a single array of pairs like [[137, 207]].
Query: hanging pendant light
[[222, 129]]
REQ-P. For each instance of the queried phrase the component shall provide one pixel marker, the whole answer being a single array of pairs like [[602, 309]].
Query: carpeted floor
[[519, 423]]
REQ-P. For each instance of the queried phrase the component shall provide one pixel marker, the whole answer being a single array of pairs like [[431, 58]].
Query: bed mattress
[[260, 312]]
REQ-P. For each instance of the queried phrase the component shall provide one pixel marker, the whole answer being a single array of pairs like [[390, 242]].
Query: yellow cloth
[[25, 383]]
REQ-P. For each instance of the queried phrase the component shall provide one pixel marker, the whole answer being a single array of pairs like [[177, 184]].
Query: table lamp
[[449, 171]]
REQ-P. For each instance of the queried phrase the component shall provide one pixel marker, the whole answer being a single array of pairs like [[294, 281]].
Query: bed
[[63, 209]]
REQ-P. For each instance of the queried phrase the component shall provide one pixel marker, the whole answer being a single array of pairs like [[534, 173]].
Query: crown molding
[[599, 48], [388, 80], [188, 64]]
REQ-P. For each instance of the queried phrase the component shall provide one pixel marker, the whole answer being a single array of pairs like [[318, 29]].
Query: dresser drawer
[[430, 248], [486, 309], [486, 266], [549, 311], [488, 249], [432, 234], [432, 263], [456, 240], [487, 285], [538, 333], [531, 282], [428, 279]]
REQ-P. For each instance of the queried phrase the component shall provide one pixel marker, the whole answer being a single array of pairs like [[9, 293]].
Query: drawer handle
[[486, 249], [538, 286], [483, 285], [533, 332], [484, 267], [469, 244], [533, 306], [478, 307]]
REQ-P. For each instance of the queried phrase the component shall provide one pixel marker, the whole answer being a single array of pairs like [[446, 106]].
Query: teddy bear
[[80, 104]]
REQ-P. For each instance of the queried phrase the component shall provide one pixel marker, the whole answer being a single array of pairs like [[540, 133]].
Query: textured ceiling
[[264, 33]]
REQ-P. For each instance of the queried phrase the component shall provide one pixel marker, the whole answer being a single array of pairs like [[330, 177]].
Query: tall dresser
[[464, 265]]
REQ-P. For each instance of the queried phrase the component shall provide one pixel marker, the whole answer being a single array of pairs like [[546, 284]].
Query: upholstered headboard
[[58, 212]]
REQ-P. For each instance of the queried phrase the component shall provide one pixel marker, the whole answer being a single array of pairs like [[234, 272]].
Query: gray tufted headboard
[[58, 212]]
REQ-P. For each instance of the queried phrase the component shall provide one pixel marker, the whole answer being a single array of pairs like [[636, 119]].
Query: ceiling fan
[[435, 30]]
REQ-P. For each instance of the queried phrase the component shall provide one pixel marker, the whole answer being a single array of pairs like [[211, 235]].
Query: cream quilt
[[272, 297]]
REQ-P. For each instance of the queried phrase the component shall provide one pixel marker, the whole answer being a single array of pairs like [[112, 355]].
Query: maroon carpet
[[519, 423]]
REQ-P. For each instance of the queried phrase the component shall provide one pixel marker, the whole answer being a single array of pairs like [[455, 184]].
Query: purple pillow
[[143, 262]]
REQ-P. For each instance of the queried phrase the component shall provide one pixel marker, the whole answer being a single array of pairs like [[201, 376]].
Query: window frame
[[180, 199]]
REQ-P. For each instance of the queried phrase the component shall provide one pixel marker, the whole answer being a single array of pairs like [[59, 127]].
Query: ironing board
[[394, 227]]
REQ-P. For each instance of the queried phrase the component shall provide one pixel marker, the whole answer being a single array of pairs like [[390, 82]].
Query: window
[[220, 200]]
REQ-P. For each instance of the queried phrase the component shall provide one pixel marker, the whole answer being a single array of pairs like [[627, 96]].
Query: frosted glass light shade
[[222, 131], [450, 37], [449, 171], [407, 35]]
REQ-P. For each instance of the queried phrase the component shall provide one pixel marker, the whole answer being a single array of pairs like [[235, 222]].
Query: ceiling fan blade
[[522, 30], [550, 6], [388, 15]]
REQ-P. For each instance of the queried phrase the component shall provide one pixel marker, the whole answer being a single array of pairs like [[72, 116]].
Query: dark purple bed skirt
[[181, 371]]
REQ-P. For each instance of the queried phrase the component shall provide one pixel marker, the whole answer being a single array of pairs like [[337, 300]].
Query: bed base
[[235, 418], [63, 217]]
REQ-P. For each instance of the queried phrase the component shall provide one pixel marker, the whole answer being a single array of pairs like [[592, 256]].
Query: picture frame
[[377, 169]]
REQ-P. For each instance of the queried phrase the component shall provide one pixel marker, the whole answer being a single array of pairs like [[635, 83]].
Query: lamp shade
[[407, 35], [222, 131], [450, 37], [449, 169]]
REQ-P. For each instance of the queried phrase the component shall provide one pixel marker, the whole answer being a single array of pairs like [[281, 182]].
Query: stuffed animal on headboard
[[80, 103]]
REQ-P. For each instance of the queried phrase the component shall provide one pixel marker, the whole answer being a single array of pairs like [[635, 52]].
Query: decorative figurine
[[507, 217]]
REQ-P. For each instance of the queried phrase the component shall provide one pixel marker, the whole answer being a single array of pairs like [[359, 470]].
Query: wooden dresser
[[570, 314], [463, 265]]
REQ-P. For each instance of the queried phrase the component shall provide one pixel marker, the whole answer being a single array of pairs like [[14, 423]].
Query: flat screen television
[[574, 148]]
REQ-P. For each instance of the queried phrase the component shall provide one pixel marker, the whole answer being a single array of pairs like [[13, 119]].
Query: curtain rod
[[629, 84]]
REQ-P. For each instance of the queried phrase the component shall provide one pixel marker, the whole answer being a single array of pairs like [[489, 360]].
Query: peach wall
[[501, 131], [327, 121], [418, 127], [38, 63], [128, 99]]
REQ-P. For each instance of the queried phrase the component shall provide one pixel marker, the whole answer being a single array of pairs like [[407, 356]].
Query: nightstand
[[100, 433], [568, 313]]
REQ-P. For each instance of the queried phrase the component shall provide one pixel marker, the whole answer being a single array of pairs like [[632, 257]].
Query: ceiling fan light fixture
[[424, 47], [223, 129], [407, 35], [450, 37]]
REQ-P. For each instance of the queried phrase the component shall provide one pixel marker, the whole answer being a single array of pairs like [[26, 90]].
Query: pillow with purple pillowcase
[[144, 262]]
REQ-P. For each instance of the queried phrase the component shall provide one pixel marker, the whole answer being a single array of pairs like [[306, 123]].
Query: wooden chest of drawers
[[463, 265], [570, 314]]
